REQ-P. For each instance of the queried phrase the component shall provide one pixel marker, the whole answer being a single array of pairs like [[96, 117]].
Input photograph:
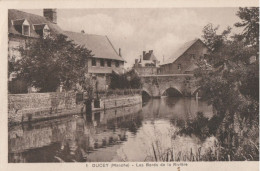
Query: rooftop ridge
[[84, 33], [27, 13], [100, 45]]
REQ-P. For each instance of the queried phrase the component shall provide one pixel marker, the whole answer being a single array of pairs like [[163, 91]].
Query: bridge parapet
[[156, 85]]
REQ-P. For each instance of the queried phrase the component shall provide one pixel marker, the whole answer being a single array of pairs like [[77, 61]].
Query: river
[[137, 133]]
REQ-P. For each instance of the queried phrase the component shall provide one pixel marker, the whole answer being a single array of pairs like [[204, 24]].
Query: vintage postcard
[[130, 85]]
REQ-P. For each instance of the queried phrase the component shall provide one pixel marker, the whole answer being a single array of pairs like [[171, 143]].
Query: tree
[[47, 63], [213, 40], [232, 85], [232, 80], [127, 80], [250, 23]]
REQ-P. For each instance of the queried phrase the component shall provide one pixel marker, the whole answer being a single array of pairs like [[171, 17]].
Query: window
[[109, 63], [179, 66], [102, 62], [117, 63], [26, 30], [94, 63]]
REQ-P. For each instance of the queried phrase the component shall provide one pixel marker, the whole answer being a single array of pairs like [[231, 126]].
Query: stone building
[[24, 27], [183, 61], [105, 58], [147, 64]]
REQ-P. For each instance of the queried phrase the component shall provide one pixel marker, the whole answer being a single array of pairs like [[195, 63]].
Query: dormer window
[[26, 30], [42, 29], [22, 26]]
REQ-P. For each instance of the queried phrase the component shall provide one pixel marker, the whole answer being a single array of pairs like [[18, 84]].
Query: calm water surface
[[122, 134]]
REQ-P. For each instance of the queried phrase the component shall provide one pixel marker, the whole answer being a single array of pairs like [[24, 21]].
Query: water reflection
[[121, 134]]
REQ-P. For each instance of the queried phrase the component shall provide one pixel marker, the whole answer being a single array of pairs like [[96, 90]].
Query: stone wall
[[156, 86], [36, 106], [40, 106], [146, 70]]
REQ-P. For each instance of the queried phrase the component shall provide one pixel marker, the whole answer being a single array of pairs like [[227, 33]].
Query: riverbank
[[112, 135], [42, 136], [33, 107]]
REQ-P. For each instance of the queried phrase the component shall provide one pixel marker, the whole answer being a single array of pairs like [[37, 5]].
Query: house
[[147, 65], [105, 58], [183, 61], [24, 27]]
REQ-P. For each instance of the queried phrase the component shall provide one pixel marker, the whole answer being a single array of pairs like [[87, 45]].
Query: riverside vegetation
[[229, 81]]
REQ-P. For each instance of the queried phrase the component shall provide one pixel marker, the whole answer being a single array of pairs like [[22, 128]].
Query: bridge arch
[[144, 90], [171, 88]]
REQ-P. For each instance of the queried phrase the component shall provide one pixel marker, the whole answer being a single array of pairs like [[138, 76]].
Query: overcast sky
[[135, 30]]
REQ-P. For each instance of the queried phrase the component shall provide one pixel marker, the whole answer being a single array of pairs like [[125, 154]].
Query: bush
[[128, 80]]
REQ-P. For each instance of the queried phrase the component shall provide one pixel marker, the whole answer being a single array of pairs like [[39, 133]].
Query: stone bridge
[[158, 85]]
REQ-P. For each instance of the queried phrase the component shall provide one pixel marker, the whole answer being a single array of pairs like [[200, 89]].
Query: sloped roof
[[18, 22], [180, 51], [32, 19], [100, 46]]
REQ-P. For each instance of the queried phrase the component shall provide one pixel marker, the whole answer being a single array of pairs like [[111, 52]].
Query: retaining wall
[[41, 106], [36, 106]]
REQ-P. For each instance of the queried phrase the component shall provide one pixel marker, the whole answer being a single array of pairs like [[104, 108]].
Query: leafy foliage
[[213, 40], [48, 63], [250, 23], [128, 80], [232, 83]]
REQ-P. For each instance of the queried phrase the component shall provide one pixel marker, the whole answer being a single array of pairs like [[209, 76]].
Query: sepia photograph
[[133, 84]]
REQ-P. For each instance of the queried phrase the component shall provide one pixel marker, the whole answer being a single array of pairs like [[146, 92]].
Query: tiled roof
[[180, 51], [20, 16], [100, 46], [18, 22]]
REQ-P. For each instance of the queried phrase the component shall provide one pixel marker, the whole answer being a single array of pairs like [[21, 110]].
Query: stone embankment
[[43, 106]]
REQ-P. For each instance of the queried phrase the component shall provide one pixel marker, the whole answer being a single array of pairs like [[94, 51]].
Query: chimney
[[119, 52], [50, 15], [150, 51], [143, 53]]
